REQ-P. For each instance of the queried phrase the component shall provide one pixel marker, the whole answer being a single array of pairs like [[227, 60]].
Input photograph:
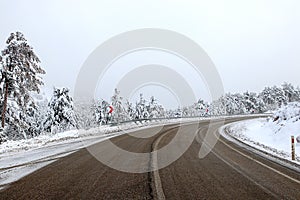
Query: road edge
[[276, 159]]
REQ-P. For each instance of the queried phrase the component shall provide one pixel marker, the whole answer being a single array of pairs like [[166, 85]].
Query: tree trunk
[[4, 105]]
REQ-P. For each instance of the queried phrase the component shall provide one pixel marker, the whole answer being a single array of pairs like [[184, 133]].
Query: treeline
[[25, 113], [271, 98], [100, 112]]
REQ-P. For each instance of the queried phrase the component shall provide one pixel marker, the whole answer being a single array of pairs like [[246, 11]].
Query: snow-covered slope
[[272, 135]]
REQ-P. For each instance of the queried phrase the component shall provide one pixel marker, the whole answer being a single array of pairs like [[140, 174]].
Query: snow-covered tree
[[141, 109], [169, 113], [250, 102], [201, 108], [118, 114], [84, 112], [60, 116], [177, 113], [154, 109], [267, 96], [36, 114], [273, 97], [230, 103], [101, 112], [19, 77], [290, 92], [217, 107], [279, 96], [130, 110], [98, 112], [260, 105]]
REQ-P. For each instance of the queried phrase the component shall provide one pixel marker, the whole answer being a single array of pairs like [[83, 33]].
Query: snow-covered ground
[[271, 135]]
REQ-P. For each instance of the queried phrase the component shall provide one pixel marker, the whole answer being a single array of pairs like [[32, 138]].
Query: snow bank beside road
[[48, 139], [22, 157], [71, 136], [271, 135]]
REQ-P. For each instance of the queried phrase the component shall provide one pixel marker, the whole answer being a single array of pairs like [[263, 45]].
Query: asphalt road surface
[[227, 172]]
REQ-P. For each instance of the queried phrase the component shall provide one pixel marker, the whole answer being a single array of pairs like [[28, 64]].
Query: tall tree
[[130, 110], [20, 75], [119, 111], [101, 112]]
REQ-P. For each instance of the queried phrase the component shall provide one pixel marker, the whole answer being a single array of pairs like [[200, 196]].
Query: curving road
[[227, 172]]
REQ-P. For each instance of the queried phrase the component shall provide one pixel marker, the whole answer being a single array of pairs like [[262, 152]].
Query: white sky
[[252, 43]]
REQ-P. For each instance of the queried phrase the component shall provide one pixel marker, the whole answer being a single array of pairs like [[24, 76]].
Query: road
[[227, 172]]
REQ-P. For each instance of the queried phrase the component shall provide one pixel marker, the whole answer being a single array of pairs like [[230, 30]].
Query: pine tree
[[60, 116], [97, 112], [130, 110], [84, 112], [273, 97], [119, 111], [217, 107], [36, 114], [101, 112], [141, 109], [154, 109], [250, 102], [290, 92], [20, 72], [40, 113]]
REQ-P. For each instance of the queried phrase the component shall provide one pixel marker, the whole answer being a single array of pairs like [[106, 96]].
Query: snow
[[271, 135], [14, 174], [25, 157], [22, 157]]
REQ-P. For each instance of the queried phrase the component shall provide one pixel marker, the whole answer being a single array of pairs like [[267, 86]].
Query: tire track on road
[[155, 181]]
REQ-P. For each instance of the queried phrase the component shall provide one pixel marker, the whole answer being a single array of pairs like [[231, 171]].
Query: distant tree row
[[97, 112], [271, 98]]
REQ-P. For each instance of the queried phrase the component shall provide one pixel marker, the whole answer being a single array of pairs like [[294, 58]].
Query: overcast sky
[[252, 43]]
